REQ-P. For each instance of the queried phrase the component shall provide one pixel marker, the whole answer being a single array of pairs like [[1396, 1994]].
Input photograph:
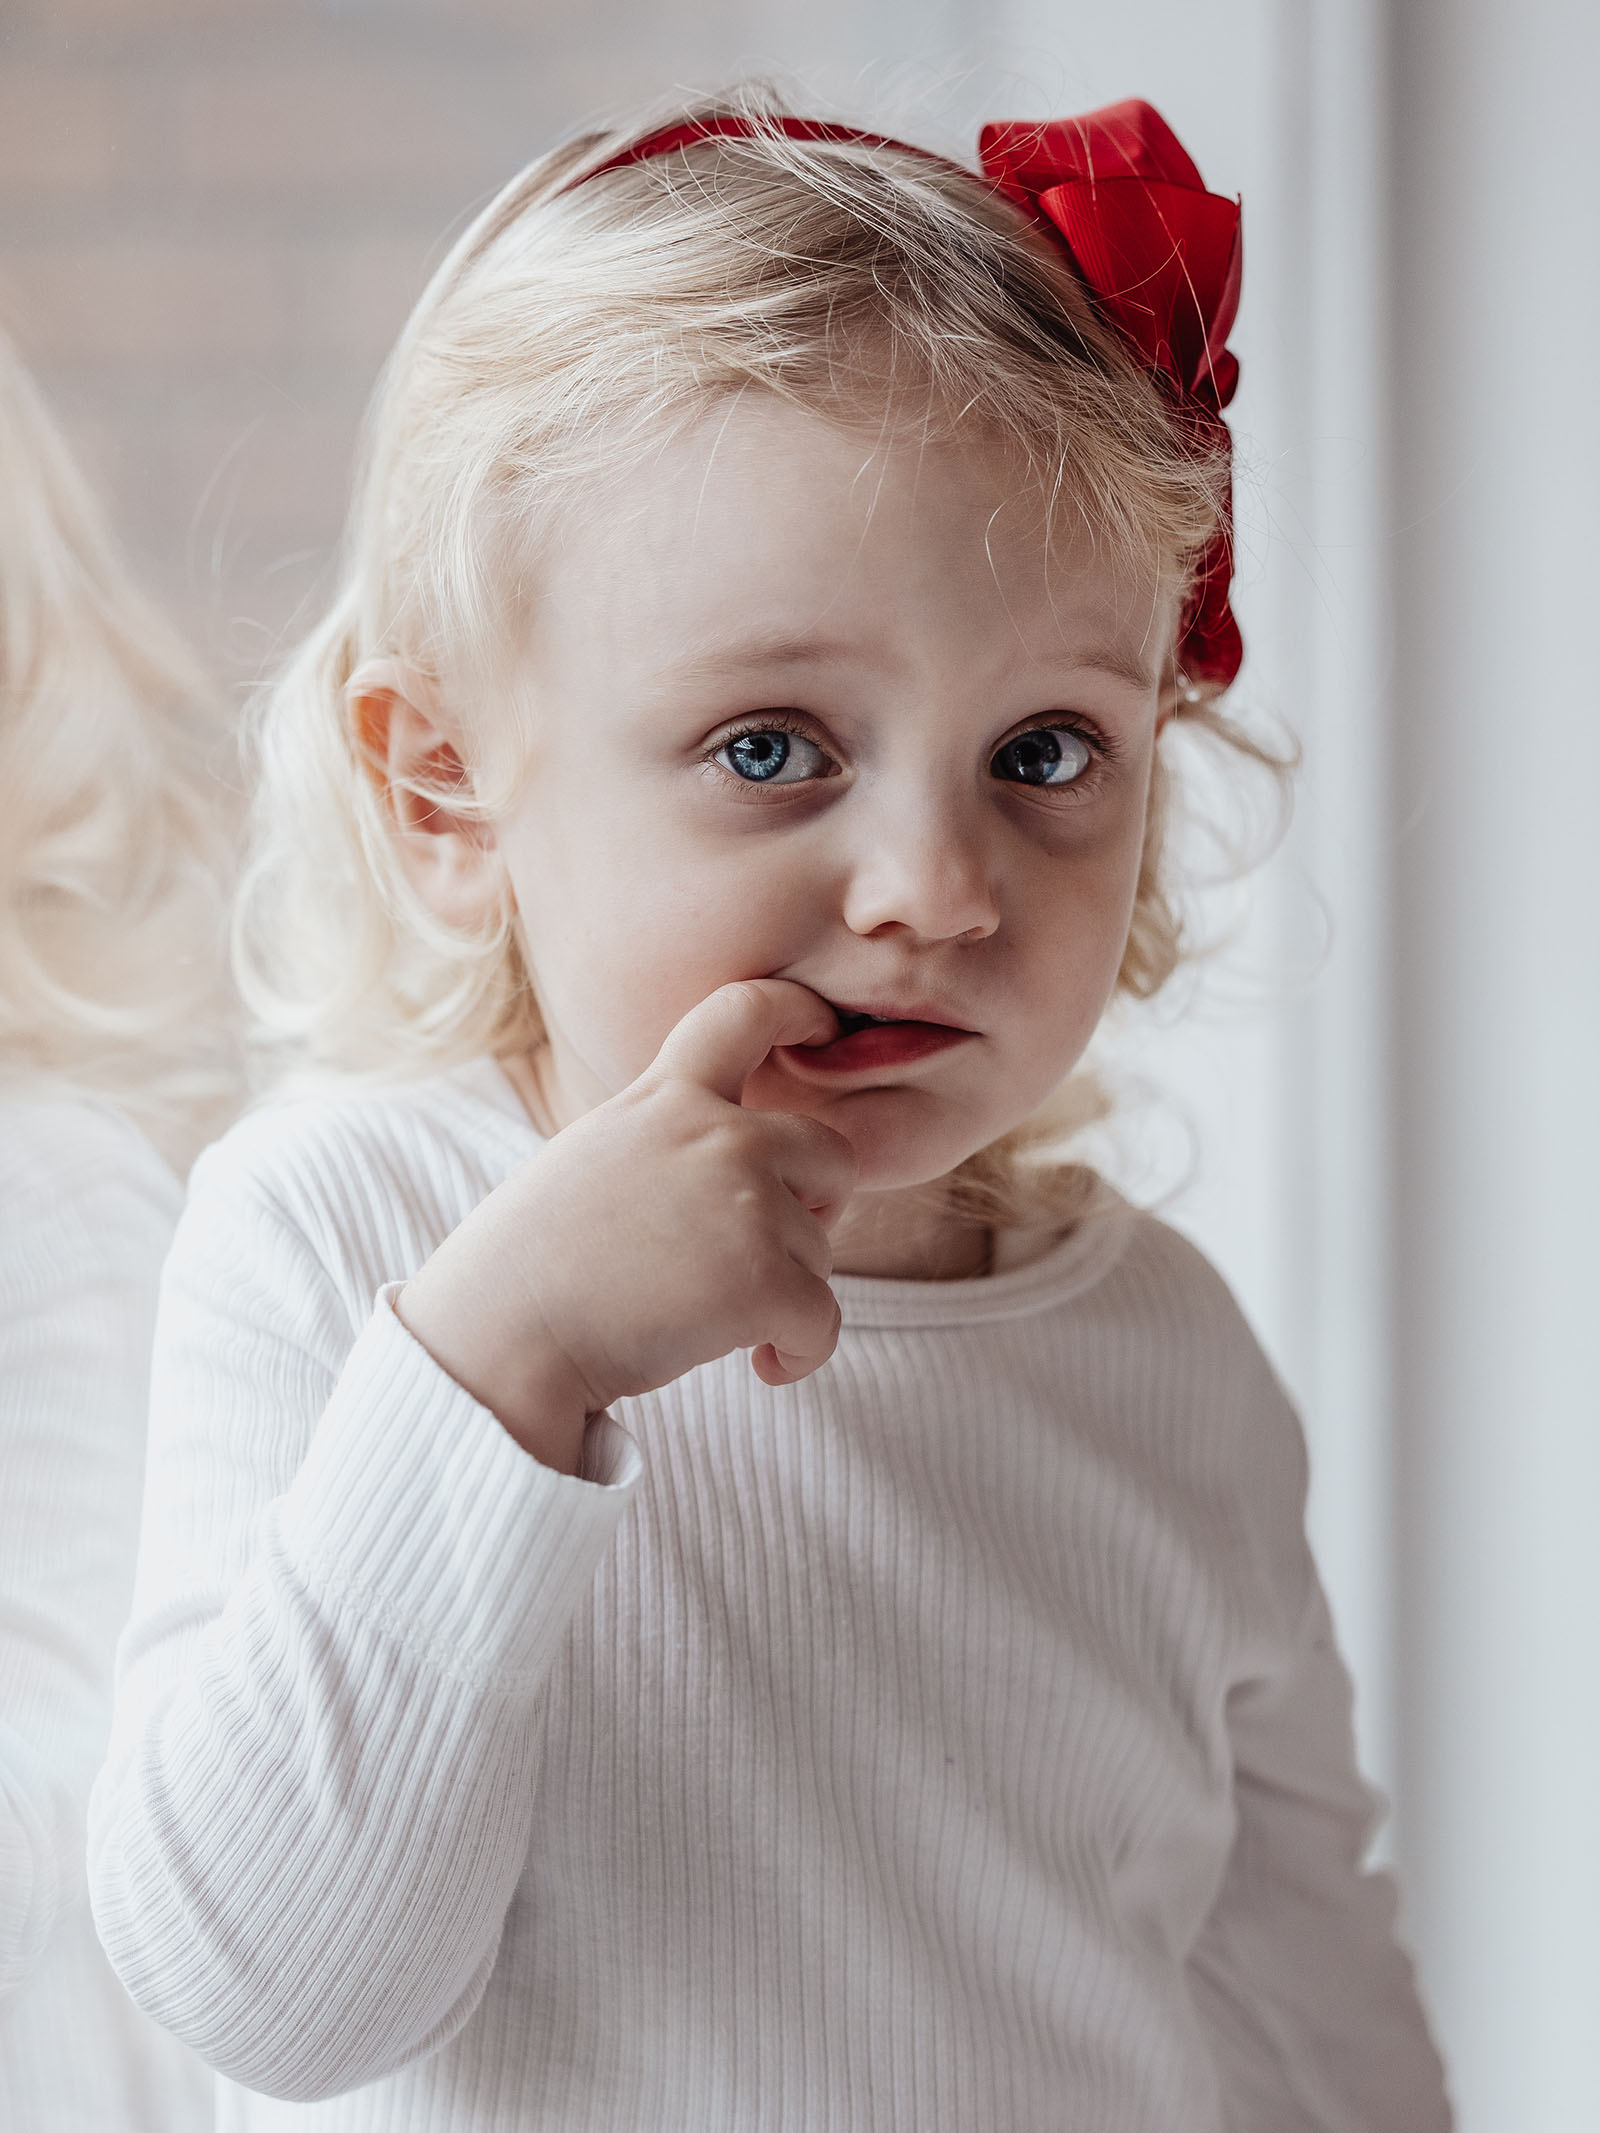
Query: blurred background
[[1377, 1109]]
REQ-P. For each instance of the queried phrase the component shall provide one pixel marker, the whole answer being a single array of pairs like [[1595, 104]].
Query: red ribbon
[[1160, 256], [1162, 259]]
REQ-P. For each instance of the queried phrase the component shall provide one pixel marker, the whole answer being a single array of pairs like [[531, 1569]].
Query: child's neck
[[909, 1236]]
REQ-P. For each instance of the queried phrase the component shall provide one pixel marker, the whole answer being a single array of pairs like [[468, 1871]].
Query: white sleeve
[[86, 1210], [1310, 2004], [321, 1786]]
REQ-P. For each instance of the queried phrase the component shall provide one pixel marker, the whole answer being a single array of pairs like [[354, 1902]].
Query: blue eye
[[1048, 755], [772, 757]]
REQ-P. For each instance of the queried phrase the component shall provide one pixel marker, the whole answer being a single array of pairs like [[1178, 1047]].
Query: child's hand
[[665, 1228]]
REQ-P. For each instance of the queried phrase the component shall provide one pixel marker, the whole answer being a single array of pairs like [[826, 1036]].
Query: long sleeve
[[1310, 2003], [321, 1788], [86, 1211]]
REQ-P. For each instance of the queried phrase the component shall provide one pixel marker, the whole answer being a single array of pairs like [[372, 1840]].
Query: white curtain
[[1496, 725]]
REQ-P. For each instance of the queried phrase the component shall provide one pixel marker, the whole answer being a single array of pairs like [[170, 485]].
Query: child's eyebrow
[[769, 648], [1119, 666], [765, 648]]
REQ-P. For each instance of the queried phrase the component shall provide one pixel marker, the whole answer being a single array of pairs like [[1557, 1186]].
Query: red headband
[[1159, 255]]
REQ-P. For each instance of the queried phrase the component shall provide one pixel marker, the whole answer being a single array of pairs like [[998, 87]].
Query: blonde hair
[[113, 975], [573, 326]]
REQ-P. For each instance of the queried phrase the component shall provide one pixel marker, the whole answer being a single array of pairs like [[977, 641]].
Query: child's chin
[[901, 1143]]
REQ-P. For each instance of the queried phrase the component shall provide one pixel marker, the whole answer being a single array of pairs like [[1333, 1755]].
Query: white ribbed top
[[953, 1740], [86, 1212]]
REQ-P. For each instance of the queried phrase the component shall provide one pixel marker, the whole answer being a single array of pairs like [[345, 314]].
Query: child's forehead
[[761, 531], [754, 480], [757, 451]]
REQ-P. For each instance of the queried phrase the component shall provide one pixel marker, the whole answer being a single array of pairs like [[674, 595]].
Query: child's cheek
[[703, 934], [615, 971]]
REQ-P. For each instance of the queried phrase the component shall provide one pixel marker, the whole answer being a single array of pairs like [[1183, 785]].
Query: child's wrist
[[530, 1387]]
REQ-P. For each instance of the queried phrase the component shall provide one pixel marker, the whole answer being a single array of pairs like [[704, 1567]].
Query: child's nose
[[924, 870]]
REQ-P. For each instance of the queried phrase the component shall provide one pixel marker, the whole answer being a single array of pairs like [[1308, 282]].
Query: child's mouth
[[867, 1041]]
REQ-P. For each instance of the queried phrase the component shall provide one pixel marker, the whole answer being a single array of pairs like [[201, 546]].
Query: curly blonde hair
[[573, 325], [113, 874]]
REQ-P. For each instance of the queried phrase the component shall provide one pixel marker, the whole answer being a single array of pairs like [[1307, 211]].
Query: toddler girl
[[115, 1064], [703, 837]]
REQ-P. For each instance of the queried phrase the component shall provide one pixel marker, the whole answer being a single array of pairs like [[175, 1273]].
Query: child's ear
[[409, 750]]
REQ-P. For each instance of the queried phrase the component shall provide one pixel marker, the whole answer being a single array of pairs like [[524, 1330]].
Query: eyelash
[[767, 722], [1102, 748]]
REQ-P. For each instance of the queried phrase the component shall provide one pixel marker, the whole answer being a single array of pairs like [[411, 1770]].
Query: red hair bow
[[1159, 255], [1162, 259]]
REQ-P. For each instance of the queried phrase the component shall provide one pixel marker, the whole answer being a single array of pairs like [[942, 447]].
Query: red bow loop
[[1163, 264], [1126, 140]]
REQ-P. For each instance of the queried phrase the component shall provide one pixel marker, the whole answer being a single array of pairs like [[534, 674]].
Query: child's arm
[[1311, 2005], [354, 1579], [318, 1793]]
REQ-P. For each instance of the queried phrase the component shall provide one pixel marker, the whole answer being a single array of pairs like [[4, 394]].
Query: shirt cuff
[[416, 1508]]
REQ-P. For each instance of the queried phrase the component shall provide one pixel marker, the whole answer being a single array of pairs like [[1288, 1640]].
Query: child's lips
[[875, 1038]]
